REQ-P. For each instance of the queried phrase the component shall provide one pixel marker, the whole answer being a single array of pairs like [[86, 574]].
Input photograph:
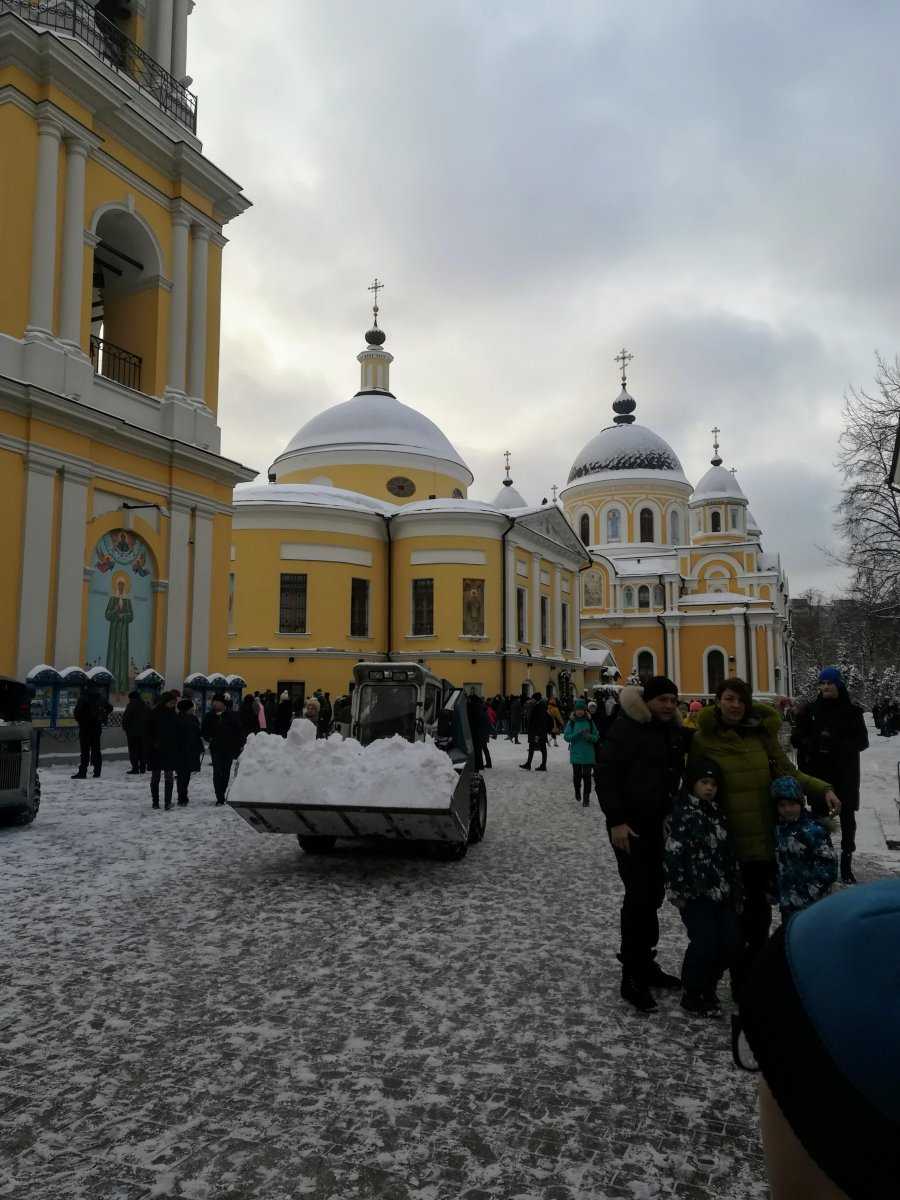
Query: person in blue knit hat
[[830, 735], [805, 861], [821, 1015]]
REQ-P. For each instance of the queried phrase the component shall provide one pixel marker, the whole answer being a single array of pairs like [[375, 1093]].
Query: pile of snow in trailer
[[300, 769]]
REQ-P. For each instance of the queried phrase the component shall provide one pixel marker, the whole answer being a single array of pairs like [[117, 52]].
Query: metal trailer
[[20, 788], [391, 699]]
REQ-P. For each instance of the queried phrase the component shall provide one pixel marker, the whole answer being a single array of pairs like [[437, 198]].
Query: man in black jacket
[[221, 728], [830, 735], [134, 726], [91, 713], [538, 726], [639, 771]]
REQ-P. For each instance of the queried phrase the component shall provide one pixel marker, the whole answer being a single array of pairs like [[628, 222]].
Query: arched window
[[646, 524], [584, 526], [715, 670], [674, 527], [715, 522], [645, 665], [628, 598], [659, 596], [643, 596], [613, 525]]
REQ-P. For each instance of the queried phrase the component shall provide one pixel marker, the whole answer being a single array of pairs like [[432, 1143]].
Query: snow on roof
[[753, 526], [658, 564], [718, 484], [627, 448], [509, 497], [719, 598], [309, 493], [448, 506], [374, 421]]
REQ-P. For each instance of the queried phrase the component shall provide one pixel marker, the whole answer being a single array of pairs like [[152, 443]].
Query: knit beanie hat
[[821, 1011], [831, 675], [184, 705], [703, 768], [786, 787], [579, 703], [659, 685]]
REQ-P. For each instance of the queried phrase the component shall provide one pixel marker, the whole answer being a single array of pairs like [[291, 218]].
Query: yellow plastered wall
[[694, 641], [258, 566], [218, 606], [330, 673], [12, 472], [639, 637], [138, 322], [448, 594], [18, 162], [372, 480]]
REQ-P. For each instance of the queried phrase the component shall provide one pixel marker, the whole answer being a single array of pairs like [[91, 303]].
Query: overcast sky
[[713, 185]]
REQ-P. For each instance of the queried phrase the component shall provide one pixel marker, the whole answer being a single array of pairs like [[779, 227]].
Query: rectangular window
[[231, 601], [292, 609], [545, 620], [359, 608], [521, 615], [565, 626], [423, 607]]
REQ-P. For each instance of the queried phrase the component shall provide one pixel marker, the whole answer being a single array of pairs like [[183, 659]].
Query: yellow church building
[[130, 541]]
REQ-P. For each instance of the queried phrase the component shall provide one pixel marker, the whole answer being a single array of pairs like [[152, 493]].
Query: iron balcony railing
[[114, 48], [112, 362]]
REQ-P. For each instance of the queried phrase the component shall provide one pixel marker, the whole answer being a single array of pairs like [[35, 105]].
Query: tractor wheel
[[310, 844], [478, 819]]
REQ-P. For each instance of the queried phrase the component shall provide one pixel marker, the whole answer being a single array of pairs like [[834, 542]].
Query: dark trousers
[[534, 745], [756, 917], [155, 776], [581, 775], [714, 943], [183, 779], [848, 830], [89, 744], [641, 872], [136, 752], [221, 764]]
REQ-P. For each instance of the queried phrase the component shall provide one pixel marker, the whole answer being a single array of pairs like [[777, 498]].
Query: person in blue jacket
[[581, 734], [805, 858]]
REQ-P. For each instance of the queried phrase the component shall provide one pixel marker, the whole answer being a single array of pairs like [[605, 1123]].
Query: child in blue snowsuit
[[703, 882], [805, 859], [581, 734]]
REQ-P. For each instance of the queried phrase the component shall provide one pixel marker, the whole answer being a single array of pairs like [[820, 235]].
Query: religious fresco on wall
[[473, 607], [120, 607], [593, 590]]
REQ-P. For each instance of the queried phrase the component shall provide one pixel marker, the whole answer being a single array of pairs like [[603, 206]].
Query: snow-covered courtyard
[[193, 1009]]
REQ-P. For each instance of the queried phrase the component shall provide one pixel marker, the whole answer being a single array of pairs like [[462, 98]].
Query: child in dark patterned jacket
[[703, 882], [805, 858]]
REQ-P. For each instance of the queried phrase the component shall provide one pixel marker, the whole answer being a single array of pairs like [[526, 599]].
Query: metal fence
[[113, 362]]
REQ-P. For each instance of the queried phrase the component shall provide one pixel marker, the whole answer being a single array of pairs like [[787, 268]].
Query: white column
[[178, 305], [199, 275], [203, 543], [179, 39], [73, 244], [535, 604], [740, 648], [676, 655], [557, 610], [177, 595], [770, 655], [37, 545], [69, 591], [163, 50], [511, 584], [43, 245], [754, 679]]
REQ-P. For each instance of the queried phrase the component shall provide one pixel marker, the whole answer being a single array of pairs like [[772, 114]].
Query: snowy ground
[[192, 1009]]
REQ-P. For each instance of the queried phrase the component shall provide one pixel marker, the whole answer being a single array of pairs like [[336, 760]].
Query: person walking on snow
[[189, 748], [221, 730], [539, 724], [515, 720], [134, 726], [703, 881], [830, 734], [91, 713], [581, 734], [640, 768], [162, 748], [556, 717]]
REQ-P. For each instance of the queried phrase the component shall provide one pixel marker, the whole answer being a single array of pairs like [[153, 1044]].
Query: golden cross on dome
[[375, 286], [624, 358], [506, 456], [715, 431], [554, 490]]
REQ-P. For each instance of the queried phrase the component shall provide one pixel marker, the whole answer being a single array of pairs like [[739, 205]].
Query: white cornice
[[320, 458]]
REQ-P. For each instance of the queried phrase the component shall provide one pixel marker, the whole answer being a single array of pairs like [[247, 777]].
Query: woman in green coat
[[741, 737]]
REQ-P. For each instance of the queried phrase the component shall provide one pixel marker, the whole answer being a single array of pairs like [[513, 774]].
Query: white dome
[[374, 422], [627, 447], [718, 484], [509, 497]]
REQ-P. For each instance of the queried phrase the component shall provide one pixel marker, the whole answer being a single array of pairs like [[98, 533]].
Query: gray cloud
[[538, 183]]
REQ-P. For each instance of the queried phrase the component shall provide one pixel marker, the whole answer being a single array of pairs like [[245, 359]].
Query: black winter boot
[[658, 978], [698, 1005], [636, 992], [847, 875], [80, 775]]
